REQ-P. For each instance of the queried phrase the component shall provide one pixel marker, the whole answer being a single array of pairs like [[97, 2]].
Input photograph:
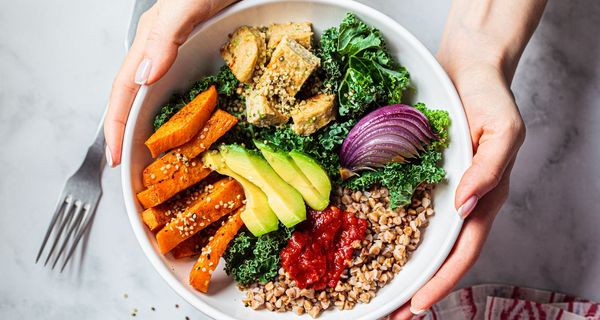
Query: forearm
[[489, 31]]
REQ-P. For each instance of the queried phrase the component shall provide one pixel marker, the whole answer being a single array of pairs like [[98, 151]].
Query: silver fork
[[76, 205]]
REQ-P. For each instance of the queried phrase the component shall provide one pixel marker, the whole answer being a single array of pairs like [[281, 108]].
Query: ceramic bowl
[[199, 56]]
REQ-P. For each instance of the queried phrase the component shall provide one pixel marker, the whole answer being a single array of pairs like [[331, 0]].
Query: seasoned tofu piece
[[299, 31], [261, 112], [313, 114], [291, 64], [245, 51]]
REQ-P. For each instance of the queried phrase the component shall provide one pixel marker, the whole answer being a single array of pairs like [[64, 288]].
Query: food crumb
[[176, 306], [125, 296], [153, 308]]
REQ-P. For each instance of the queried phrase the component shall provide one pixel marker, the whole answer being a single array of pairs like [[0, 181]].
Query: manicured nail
[[143, 71], [109, 159], [416, 311], [467, 207]]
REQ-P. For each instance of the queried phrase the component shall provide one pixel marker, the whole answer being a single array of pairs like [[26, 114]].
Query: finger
[[465, 251], [402, 313], [123, 93], [174, 23], [497, 146]]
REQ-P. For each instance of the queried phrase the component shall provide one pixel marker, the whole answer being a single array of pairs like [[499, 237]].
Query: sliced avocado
[[314, 172], [287, 169], [257, 215], [286, 202]]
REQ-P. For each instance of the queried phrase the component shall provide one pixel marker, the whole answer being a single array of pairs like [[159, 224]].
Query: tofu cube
[[301, 32], [245, 51], [290, 66], [261, 112], [313, 114]]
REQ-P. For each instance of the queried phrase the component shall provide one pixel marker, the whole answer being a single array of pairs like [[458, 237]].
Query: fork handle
[[95, 158], [99, 139]]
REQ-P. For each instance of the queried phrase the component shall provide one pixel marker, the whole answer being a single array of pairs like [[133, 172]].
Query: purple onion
[[394, 133]]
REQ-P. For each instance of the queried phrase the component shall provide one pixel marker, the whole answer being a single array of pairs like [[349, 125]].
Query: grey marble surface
[[57, 60]]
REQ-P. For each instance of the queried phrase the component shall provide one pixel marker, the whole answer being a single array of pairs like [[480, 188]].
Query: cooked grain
[[391, 236]]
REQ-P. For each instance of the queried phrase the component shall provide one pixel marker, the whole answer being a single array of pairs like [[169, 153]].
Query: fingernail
[[416, 311], [143, 71], [467, 207], [109, 159]]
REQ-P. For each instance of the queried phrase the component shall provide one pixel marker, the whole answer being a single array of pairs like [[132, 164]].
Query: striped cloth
[[503, 302]]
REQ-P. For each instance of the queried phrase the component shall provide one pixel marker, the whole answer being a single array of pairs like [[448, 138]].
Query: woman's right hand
[[161, 30]]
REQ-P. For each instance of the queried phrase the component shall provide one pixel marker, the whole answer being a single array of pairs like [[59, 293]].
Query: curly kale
[[440, 122], [250, 259], [370, 76], [225, 82], [331, 62], [402, 179]]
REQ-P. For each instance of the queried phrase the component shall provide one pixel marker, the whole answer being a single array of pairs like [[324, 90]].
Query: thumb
[[496, 148], [174, 22], [163, 42]]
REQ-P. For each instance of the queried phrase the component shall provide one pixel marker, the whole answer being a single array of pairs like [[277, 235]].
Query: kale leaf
[[402, 179], [371, 77], [331, 62], [250, 259]]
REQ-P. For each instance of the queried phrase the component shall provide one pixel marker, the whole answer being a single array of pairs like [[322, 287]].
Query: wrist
[[493, 33], [464, 48]]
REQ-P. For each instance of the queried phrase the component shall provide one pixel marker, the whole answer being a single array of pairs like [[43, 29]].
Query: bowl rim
[[129, 196]]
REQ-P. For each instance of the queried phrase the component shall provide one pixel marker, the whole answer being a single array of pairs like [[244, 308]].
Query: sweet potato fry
[[156, 218], [161, 169], [193, 246], [212, 252], [226, 196], [185, 124], [181, 180]]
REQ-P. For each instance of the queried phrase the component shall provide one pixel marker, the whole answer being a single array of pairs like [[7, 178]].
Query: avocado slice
[[314, 172], [287, 169], [286, 202], [258, 216]]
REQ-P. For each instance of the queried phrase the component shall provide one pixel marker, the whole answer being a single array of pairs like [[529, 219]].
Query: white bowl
[[200, 56]]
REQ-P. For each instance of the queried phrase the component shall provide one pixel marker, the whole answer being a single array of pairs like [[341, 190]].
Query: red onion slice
[[394, 133]]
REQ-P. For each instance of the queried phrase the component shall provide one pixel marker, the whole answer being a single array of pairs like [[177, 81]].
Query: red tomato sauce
[[316, 254]]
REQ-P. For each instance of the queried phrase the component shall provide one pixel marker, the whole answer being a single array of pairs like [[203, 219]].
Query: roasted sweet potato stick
[[212, 252], [193, 246], [185, 124], [181, 180], [157, 217], [161, 169], [226, 197]]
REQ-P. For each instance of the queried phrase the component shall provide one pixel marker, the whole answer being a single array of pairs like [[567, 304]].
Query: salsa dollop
[[317, 253]]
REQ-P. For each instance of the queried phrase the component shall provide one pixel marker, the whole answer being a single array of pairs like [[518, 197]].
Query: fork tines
[[68, 224]]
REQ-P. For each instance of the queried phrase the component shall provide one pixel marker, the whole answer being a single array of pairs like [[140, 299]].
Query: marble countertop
[[57, 61]]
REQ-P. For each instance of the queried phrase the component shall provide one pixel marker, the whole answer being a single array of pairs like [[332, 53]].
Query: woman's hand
[[497, 132], [161, 30], [480, 50]]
